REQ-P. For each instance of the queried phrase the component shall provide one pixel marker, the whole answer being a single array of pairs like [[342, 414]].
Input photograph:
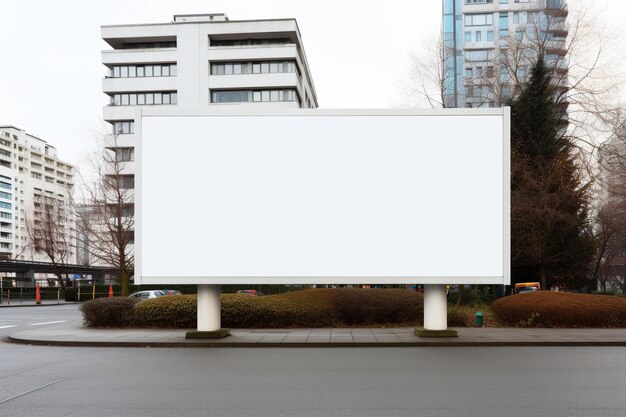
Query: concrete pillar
[[209, 308], [209, 320], [435, 307]]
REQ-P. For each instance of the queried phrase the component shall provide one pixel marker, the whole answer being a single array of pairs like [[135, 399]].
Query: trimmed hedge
[[560, 309], [171, 311], [334, 307], [109, 312]]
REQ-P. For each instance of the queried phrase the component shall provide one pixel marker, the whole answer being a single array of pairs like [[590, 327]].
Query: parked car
[[144, 295], [171, 292], [523, 287], [252, 292]]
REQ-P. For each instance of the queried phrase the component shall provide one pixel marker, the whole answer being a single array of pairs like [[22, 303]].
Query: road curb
[[209, 344], [35, 305]]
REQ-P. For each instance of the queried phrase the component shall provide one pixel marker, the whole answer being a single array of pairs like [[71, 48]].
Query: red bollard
[[37, 295], [110, 291]]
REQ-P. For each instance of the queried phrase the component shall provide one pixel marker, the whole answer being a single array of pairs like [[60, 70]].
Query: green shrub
[[471, 298], [560, 309], [170, 311], [309, 308], [460, 316], [70, 294], [108, 312]]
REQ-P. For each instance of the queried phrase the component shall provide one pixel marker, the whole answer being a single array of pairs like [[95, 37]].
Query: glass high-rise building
[[489, 47]]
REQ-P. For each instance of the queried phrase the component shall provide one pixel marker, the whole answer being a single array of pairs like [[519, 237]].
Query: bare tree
[[431, 80], [610, 221], [50, 232], [108, 212], [585, 57]]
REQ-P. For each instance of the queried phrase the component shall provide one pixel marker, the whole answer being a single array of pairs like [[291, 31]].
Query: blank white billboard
[[310, 196]]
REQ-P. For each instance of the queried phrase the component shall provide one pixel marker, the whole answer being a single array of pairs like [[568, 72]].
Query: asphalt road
[[15, 319], [456, 381]]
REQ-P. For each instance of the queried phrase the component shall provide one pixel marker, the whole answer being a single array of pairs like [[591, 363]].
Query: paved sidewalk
[[73, 334]]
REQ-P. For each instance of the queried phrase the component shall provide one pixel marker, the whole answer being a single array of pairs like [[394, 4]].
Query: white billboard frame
[[502, 279]]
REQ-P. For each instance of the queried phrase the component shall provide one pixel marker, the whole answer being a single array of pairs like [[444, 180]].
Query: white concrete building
[[200, 61], [32, 177]]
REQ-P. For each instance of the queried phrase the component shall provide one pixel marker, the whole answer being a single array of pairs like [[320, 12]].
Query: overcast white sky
[[358, 50]]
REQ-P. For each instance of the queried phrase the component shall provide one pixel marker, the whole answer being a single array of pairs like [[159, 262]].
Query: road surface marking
[[47, 322], [28, 392], [6, 327]]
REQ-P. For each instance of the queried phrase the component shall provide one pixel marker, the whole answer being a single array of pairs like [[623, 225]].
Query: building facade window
[[5, 185], [149, 45], [5, 195], [122, 182], [143, 99], [124, 154], [468, 36], [247, 96], [484, 19], [504, 20], [125, 127], [236, 68], [134, 71], [245, 42], [5, 205]]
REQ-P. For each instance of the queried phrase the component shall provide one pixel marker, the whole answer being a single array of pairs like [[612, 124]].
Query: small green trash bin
[[479, 319]]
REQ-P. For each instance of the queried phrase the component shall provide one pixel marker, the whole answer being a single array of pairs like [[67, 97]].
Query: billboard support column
[[209, 314], [435, 313]]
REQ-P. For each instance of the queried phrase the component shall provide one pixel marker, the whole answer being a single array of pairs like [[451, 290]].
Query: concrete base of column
[[435, 313], [421, 332], [209, 314], [216, 334]]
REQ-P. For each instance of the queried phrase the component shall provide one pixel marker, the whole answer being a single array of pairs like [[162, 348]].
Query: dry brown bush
[[559, 309]]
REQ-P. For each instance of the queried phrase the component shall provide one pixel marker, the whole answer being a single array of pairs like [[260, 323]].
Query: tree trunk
[[124, 282], [459, 299], [60, 278], [542, 272]]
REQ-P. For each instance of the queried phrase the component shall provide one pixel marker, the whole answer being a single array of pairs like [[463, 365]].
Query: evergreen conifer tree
[[550, 236]]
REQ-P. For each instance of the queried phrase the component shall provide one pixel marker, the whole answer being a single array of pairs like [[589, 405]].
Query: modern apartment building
[[489, 47], [35, 191], [199, 62]]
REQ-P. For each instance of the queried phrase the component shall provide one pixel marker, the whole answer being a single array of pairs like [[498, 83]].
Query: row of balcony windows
[[234, 96], [268, 67], [138, 71], [141, 99], [213, 42], [247, 96]]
